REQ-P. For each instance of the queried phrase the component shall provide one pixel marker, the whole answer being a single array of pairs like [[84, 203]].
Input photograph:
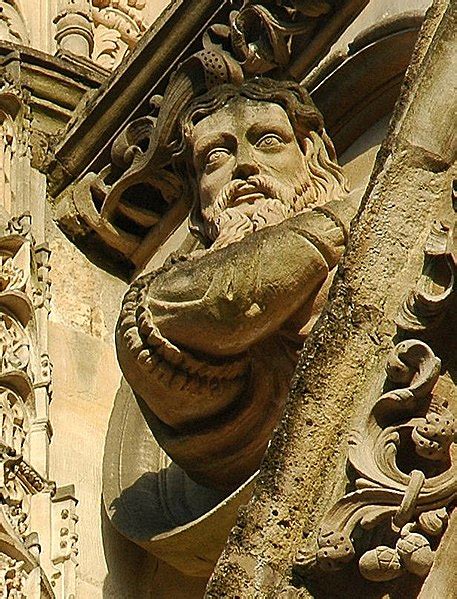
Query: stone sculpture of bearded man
[[209, 343]]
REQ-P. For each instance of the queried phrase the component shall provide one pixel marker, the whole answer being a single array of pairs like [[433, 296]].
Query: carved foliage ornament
[[118, 26], [12, 577], [414, 504], [24, 270], [409, 429]]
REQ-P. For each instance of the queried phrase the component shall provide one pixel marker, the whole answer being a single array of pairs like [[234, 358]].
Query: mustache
[[256, 184]]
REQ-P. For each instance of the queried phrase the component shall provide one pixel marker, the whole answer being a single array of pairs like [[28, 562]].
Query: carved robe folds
[[208, 343]]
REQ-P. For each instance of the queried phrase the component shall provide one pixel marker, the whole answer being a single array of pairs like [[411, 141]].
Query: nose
[[245, 166]]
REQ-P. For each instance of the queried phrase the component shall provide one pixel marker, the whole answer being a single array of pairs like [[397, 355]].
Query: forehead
[[238, 116]]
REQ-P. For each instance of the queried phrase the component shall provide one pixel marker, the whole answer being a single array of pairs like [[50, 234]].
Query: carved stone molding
[[29, 514], [64, 549]]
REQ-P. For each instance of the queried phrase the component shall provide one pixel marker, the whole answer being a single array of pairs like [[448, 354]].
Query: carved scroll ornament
[[141, 192], [413, 505], [425, 307]]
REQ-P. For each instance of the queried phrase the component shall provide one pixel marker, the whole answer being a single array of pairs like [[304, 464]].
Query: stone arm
[[184, 330]]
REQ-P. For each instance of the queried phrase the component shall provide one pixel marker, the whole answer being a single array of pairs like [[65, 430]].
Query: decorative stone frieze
[[64, 550]]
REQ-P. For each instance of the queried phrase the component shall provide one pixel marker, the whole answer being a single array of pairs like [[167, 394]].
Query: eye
[[215, 155], [269, 140]]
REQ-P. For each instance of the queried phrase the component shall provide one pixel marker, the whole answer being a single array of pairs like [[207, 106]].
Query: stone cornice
[[52, 81]]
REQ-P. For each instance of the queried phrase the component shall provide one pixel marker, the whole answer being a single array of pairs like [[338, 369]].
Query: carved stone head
[[254, 155]]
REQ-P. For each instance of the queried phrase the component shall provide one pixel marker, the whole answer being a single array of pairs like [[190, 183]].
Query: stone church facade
[[227, 299]]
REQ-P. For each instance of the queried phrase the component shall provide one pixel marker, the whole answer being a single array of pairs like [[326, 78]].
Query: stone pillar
[[74, 28]]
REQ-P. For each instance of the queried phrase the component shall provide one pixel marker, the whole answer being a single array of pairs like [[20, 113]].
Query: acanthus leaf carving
[[415, 504], [14, 264], [425, 307]]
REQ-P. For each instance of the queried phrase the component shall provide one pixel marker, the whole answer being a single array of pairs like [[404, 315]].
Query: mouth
[[247, 193]]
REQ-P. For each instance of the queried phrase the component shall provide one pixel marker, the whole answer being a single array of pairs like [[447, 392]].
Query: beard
[[227, 221]]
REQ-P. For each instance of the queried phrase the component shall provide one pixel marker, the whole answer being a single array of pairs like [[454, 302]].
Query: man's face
[[247, 160]]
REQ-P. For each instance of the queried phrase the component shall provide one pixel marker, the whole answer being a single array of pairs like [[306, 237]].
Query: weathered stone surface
[[58, 303], [340, 367], [196, 340]]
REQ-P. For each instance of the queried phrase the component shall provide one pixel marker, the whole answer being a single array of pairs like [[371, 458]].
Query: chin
[[235, 223]]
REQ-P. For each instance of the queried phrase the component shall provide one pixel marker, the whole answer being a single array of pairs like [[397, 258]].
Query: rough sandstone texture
[[342, 364]]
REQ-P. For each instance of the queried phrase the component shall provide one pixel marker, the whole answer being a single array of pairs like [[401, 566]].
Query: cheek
[[287, 166], [207, 194], [211, 184]]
